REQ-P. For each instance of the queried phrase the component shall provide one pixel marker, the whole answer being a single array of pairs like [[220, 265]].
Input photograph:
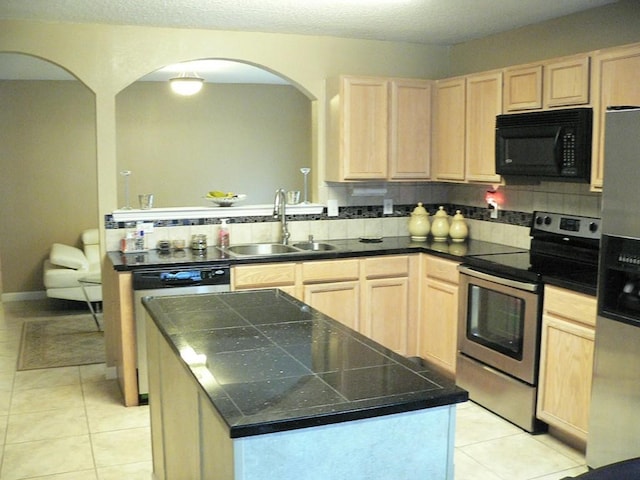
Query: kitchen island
[[257, 385]]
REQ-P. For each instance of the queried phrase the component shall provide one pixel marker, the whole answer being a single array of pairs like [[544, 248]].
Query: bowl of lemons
[[224, 199]]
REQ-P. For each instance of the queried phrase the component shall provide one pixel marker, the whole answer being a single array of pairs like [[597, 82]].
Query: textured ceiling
[[441, 22], [437, 22]]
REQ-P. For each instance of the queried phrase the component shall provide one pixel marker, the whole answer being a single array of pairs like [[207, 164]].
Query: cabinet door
[[615, 82], [438, 333], [364, 128], [523, 88], [272, 275], [385, 312], [566, 369], [566, 82], [339, 300], [450, 128], [566, 360], [410, 129], [484, 103]]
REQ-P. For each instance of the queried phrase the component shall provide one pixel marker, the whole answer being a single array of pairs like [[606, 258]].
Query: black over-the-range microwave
[[553, 145]]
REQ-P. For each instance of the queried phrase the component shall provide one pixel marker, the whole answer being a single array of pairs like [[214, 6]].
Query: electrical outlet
[[387, 206], [332, 208]]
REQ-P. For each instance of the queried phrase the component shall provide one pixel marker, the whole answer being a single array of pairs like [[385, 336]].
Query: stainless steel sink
[[314, 246], [267, 249], [254, 249]]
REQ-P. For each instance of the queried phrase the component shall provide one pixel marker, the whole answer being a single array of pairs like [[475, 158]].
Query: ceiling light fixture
[[186, 84]]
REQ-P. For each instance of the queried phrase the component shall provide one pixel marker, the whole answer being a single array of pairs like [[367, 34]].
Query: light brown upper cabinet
[[566, 81], [464, 127], [523, 88], [449, 129], [410, 129], [379, 129], [616, 81], [484, 103], [559, 82]]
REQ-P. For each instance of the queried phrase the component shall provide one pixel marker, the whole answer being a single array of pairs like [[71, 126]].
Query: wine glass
[[126, 174], [305, 171]]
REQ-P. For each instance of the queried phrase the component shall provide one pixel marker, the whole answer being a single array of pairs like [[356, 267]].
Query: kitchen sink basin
[[314, 246], [272, 249], [261, 249]]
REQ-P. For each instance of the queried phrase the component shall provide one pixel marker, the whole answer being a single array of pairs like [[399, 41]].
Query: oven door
[[499, 323]]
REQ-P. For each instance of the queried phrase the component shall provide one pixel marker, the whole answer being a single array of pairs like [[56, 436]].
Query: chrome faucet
[[279, 211]]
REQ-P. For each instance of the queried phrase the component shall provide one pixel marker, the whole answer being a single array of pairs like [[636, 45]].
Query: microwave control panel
[[569, 166]]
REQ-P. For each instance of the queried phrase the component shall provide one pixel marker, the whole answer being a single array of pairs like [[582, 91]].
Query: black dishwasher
[[161, 282]]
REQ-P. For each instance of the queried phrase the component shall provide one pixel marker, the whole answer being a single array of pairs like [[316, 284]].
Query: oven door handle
[[507, 282]]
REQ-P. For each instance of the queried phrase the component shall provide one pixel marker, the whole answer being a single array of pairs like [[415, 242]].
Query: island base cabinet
[[408, 445], [190, 441]]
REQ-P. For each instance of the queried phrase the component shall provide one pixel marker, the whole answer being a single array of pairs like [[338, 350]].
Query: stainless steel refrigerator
[[614, 424]]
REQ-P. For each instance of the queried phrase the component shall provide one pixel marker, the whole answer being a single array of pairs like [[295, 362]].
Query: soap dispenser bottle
[[223, 234]]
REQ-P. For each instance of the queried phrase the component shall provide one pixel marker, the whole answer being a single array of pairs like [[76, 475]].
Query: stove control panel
[[564, 224]]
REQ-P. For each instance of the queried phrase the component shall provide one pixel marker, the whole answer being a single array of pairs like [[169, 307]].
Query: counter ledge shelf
[[256, 385]]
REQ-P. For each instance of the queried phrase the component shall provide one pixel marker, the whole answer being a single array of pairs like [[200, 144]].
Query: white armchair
[[66, 265]]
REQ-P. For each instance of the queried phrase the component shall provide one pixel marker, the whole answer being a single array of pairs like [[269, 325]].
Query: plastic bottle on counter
[[223, 234], [140, 241]]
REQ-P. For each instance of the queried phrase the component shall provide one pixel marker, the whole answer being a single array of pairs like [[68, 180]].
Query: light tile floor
[[69, 424]]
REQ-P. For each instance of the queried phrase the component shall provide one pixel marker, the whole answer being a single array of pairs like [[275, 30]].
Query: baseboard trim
[[18, 296]]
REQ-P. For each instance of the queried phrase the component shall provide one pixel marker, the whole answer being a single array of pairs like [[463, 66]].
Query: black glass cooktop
[[577, 275]]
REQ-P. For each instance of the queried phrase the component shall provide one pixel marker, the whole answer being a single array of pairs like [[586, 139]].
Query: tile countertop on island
[[345, 248], [270, 363]]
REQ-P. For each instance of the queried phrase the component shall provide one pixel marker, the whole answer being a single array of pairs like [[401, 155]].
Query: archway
[[248, 131], [48, 164]]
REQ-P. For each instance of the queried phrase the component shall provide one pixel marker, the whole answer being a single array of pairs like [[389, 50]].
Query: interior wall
[[249, 139], [48, 180], [602, 27]]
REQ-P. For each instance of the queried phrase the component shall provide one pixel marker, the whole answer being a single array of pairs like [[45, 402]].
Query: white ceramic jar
[[440, 225], [419, 224], [458, 231]]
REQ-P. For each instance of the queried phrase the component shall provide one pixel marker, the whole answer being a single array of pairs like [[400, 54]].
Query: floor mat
[[61, 342]]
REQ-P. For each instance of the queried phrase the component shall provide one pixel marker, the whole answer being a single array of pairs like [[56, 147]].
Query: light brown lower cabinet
[[438, 326], [385, 306], [566, 361], [373, 295], [339, 300], [268, 275]]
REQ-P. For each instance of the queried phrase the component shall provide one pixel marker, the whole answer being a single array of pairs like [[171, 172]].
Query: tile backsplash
[[363, 216]]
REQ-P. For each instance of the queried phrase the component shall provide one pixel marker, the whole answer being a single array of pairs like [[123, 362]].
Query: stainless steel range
[[500, 312]]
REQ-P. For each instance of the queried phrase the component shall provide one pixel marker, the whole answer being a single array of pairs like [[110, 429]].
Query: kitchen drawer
[[441, 269], [570, 305], [386, 266], [330, 271], [262, 276]]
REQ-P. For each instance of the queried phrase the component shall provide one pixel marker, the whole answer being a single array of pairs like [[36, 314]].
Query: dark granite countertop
[[345, 248], [275, 364]]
